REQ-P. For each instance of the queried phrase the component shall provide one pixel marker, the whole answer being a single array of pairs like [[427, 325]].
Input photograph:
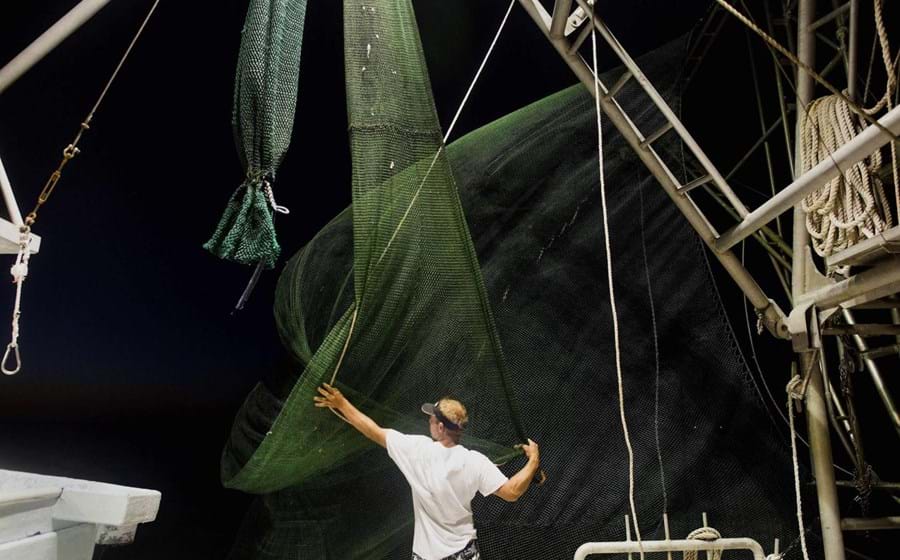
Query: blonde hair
[[454, 411]]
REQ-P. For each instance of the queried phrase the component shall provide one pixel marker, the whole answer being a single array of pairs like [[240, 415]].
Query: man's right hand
[[531, 451]]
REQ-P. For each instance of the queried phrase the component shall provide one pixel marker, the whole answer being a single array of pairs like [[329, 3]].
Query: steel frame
[[809, 289]]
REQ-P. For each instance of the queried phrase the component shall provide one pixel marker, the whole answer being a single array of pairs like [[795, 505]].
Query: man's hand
[[331, 397], [531, 451], [519, 483]]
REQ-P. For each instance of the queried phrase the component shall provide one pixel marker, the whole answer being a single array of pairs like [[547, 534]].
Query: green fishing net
[[478, 271], [265, 99]]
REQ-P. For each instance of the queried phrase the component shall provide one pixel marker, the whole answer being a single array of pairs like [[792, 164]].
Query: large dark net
[[528, 185]]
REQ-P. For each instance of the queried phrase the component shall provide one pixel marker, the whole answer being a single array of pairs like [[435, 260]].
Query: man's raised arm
[[513, 489], [331, 397]]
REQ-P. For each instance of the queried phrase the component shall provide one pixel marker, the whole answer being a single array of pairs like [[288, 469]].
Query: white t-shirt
[[443, 481]]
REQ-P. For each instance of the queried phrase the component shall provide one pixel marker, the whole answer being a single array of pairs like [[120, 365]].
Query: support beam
[[816, 408], [865, 143], [37, 50], [870, 524], [773, 316], [830, 17]]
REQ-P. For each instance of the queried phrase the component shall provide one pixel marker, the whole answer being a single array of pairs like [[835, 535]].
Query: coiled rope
[[707, 534], [853, 205]]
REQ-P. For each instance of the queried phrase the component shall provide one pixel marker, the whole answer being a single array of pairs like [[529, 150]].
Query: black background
[[134, 363]]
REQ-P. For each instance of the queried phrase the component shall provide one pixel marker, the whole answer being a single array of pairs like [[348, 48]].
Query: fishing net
[[488, 283], [265, 99]]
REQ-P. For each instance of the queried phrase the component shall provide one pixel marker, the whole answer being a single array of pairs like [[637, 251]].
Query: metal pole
[[816, 409], [870, 284], [875, 374], [774, 317], [853, 50], [9, 198], [782, 104], [32, 54], [870, 524], [863, 145], [830, 17]]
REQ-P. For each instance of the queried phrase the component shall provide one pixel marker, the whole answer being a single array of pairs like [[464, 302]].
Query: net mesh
[[407, 296]]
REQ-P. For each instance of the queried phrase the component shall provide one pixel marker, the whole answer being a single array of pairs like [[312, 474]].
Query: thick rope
[[793, 391], [707, 534], [612, 293], [853, 205]]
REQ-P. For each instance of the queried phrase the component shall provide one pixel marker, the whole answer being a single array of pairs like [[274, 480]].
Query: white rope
[[612, 293], [792, 387], [19, 273], [853, 205], [707, 534], [270, 195]]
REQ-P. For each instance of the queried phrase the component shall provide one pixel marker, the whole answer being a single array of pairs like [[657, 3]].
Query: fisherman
[[443, 475]]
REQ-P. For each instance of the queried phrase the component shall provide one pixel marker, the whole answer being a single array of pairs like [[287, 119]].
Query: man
[[443, 475]]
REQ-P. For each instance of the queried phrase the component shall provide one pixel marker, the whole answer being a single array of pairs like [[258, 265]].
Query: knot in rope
[[707, 534]]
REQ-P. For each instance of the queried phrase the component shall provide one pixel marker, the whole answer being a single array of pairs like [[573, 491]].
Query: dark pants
[[470, 552]]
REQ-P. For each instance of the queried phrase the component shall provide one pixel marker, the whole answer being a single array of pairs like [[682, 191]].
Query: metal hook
[[15, 348]]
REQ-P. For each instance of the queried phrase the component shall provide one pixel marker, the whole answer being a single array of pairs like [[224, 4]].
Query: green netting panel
[[265, 98], [415, 276]]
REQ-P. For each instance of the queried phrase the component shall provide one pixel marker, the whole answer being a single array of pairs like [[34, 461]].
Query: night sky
[[134, 363]]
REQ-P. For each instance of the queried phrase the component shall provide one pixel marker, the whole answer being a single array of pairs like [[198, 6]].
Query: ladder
[[554, 29]]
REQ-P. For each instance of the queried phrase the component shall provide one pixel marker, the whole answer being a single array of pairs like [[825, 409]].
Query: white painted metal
[[73, 543], [26, 512], [32, 504], [37, 50], [633, 547], [9, 198], [884, 245], [865, 143], [9, 229]]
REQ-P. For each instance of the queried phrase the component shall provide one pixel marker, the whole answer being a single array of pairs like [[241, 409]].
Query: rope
[[853, 205], [793, 390], [885, 100], [707, 534], [612, 293], [19, 272]]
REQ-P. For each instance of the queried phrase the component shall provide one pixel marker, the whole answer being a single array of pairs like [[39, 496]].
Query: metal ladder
[[554, 27]]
